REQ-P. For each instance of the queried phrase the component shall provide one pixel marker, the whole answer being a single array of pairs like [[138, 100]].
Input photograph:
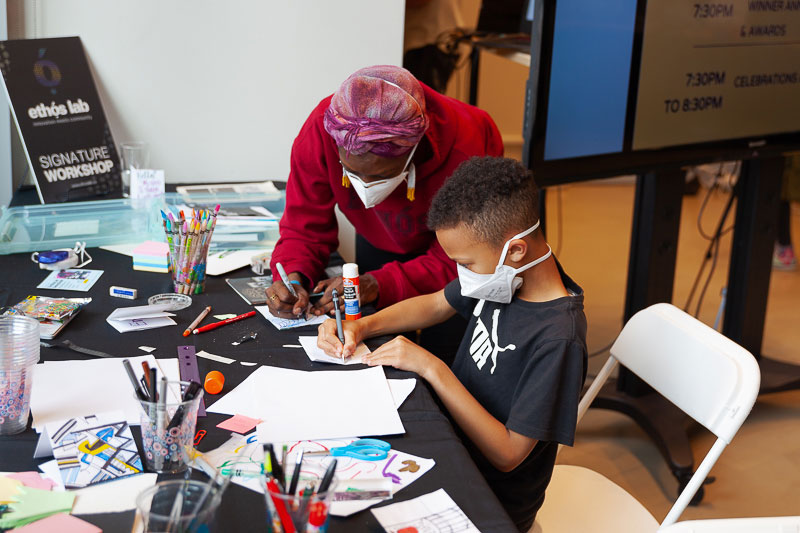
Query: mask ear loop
[[517, 236]]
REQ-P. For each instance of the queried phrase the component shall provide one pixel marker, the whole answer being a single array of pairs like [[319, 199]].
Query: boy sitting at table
[[514, 386]]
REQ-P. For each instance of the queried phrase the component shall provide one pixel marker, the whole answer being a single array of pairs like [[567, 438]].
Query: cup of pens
[[189, 240], [168, 421], [301, 501], [185, 506]]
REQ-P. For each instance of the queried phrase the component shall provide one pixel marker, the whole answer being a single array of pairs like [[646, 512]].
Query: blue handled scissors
[[363, 449]]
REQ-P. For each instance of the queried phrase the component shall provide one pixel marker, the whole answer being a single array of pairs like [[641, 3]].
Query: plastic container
[[186, 506], [168, 430], [19, 352]]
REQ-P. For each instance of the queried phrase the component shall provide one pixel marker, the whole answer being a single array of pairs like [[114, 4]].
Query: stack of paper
[[151, 256], [27, 505], [300, 405], [140, 317]]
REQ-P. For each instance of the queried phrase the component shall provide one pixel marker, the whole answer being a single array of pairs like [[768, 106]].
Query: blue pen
[[339, 331]]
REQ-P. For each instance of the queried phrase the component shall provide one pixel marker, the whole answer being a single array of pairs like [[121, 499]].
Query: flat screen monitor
[[624, 86]]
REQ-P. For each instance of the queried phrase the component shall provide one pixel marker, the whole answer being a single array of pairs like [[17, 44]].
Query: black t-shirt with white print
[[525, 362]]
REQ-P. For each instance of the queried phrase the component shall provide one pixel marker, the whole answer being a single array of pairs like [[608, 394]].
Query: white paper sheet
[[73, 279], [297, 405], [289, 323], [112, 496], [401, 389], [218, 358], [225, 261], [434, 512], [315, 353], [140, 317], [66, 389]]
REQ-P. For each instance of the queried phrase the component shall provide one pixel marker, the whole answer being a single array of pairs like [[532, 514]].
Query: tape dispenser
[[63, 258]]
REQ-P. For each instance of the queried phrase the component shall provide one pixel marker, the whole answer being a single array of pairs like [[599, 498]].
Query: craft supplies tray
[[32, 228]]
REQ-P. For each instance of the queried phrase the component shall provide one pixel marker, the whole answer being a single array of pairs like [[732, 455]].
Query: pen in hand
[[285, 279], [339, 331]]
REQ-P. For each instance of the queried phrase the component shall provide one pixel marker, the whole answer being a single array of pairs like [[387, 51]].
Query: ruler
[[187, 362]]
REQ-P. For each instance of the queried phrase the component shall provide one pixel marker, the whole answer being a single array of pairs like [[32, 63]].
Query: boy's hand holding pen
[[328, 337]]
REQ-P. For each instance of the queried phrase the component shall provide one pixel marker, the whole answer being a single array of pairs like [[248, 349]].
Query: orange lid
[[214, 382]]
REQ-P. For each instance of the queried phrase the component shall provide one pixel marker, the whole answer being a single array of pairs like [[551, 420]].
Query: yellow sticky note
[[8, 489]]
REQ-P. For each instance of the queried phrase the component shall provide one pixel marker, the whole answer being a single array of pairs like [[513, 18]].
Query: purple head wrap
[[378, 109]]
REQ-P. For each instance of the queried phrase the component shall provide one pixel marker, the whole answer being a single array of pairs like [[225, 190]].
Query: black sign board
[[60, 119]]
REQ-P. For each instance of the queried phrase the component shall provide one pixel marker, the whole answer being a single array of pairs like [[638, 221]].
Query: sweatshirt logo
[[483, 344]]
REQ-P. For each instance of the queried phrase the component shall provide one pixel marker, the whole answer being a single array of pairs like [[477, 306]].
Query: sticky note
[[31, 505], [8, 489], [33, 479], [61, 522], [239, 423]]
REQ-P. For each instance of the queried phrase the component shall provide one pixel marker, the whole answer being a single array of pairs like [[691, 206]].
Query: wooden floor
[[759, 473]]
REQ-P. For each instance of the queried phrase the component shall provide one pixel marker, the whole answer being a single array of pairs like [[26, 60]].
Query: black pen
[[298, 464], [328, 477], [275, 469], [135, 382], [339, 331], [189, 394]]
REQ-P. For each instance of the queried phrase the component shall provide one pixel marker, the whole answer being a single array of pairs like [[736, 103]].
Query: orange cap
[[214, 382]]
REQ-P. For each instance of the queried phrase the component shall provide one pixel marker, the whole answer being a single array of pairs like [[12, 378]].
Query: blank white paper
[[112, 496], [315, 353], [66, 389], [298, 405]]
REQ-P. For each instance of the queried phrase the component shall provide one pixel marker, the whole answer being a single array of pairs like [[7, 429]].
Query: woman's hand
[[282, 303]]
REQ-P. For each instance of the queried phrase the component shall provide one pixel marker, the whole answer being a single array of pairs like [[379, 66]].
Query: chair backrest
[[705, 374]]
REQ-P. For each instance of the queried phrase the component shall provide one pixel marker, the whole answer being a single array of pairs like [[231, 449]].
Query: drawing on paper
[[90, 450]]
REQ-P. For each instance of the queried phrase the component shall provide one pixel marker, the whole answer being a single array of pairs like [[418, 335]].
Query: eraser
[[123, 292]]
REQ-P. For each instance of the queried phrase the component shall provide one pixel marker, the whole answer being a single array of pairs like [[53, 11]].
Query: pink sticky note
[[158, 249], [61, 522], [33, 480], [239, 423]]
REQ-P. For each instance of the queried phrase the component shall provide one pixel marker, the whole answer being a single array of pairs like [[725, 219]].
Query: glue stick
[[352, 306]]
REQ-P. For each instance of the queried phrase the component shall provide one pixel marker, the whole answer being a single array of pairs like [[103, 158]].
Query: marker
[[298, 464], [135, 382], [339, 331], [214, 325], [285, 279], [196, 321]]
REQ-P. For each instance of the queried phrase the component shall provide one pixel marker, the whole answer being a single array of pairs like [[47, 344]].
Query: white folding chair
[[705, 374], [772, 524]]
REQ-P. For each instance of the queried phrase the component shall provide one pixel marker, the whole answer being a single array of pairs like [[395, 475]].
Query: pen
[[153, 385], [146, 377], [285, 279], [136, 388], [298, 464], [328, 477], [339, 331], [196, 321], [213, 325]]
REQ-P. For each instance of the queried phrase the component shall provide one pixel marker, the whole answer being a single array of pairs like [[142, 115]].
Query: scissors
[[364, 449]]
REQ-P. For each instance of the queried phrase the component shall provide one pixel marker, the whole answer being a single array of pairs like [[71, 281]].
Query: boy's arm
[[504, 448], [408, 315]]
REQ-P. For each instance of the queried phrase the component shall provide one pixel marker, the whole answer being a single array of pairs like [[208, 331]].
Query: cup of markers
[[168, 421], [189, 239]]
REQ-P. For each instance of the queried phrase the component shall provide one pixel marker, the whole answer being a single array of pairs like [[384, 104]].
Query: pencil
[[196, 321], [214, 325]]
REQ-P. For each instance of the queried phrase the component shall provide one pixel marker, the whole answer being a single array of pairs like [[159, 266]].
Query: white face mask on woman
[[501, 285], [375, 192]]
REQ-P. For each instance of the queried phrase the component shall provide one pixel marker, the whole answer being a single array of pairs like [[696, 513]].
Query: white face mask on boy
[[501, 285], [375, 192]]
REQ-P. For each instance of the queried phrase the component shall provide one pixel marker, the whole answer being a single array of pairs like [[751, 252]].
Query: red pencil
[[223, 322]]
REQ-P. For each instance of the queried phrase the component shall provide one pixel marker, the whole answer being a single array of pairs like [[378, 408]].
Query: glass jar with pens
[[189, 238]]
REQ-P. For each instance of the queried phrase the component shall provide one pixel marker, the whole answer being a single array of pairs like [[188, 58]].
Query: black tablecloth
[[428, 431]]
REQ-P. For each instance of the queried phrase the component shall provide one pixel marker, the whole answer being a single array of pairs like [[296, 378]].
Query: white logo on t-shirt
[[483, 345]]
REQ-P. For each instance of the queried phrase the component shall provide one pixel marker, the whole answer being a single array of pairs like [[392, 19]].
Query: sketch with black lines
[[435, 512]]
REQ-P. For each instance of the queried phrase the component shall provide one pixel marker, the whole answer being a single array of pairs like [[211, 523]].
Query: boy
[[513, 388]]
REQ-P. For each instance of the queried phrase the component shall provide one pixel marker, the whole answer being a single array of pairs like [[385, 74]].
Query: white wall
[[218, 89]]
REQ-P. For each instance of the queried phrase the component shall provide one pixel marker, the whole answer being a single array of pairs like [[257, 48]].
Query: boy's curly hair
[[495, 197]]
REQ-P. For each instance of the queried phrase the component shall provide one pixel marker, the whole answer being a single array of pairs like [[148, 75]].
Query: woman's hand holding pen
[[282, 302], [368, 292], [328, 340]]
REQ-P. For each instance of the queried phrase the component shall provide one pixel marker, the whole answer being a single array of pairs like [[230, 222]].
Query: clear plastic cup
[[168, 429], [306, 511], [185, 506], [19, 352]]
